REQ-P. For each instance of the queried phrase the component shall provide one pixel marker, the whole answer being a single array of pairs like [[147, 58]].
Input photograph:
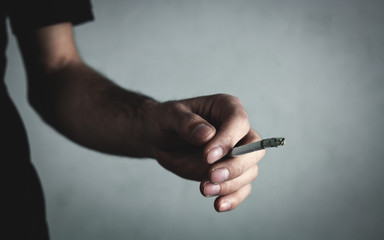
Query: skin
[[188, 137]]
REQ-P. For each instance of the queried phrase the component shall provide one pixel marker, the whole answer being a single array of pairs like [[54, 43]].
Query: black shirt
[[23, 202]]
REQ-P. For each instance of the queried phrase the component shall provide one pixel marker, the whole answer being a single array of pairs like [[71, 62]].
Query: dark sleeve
[[28, 15]]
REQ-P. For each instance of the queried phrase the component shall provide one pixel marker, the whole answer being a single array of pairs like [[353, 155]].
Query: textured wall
[[312, 71]]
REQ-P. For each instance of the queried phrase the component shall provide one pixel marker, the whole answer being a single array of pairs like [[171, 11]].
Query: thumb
[[190, 126]]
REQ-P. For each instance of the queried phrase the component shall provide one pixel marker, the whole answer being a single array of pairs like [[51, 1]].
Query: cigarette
[[256, 146]]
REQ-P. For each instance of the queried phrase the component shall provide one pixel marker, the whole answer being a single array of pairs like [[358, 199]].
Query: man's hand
[[191, 138]]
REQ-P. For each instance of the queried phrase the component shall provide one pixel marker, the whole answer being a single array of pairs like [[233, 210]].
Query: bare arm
[[187, 137], [78, 101]]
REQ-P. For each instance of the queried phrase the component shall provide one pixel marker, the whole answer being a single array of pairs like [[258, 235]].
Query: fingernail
[[215, 154], [211, 189], [219, 175], [225, 206], [201, 131]]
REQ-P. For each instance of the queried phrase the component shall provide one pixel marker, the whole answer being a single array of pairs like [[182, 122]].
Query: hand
[[191, 138]]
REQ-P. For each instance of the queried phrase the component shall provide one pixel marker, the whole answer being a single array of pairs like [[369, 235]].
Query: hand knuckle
[[228, 187], [174, 107], [225, 188], [237, 169], [242, 115], [227, 99]]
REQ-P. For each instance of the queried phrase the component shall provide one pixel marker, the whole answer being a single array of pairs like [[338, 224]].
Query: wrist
[[147, 122]]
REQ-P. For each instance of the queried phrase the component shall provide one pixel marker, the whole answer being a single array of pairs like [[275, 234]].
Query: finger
[[209, 189], [235, 127], [190, 126], [232, 200], [232, 168], [252, 136], [187, 166]]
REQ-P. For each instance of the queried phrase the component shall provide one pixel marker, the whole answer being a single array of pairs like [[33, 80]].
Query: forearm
[[93, 111]]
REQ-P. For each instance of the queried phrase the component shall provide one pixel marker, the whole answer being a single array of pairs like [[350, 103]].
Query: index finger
[[231, 131]]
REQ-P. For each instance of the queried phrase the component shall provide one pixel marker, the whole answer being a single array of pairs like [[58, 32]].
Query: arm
[[76, 100], [187, 137]]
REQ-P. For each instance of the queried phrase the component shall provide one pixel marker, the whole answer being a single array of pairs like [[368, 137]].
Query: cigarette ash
[[273, 142]]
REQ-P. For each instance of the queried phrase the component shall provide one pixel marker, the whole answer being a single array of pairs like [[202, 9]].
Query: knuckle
[[236, 170], [228, 140], [230, 186], [183, 115], [235, 100], [226, 188], [242, 115], [190, 117], [221, 96], [174, 108], [227, 99]]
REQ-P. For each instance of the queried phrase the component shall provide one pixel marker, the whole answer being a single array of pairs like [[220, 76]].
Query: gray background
[[312, 71]]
